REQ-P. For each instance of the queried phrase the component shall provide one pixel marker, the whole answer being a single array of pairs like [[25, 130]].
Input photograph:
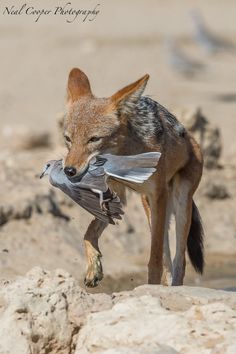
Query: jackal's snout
[[70, 171], [75, 165]]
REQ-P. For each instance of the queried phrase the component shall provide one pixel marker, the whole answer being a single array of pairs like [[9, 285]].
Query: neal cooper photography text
[[67, 11]]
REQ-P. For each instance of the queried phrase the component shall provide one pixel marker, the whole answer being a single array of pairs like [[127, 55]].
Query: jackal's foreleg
[[94, 270]]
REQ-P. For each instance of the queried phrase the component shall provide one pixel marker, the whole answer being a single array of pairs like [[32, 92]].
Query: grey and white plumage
[[179, 61], [209, 41], [91, 190]]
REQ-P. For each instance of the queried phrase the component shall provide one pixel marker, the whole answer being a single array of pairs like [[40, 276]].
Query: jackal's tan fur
[[95, 125]]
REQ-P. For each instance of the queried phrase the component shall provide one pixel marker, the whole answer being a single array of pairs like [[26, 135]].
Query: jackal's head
[[96, 125]]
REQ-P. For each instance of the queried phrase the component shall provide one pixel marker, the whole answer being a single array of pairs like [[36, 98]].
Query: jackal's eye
[[68, 140], [94, 139]]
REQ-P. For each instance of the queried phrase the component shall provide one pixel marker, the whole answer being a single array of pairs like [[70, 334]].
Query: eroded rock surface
[[206, 133], [48, 312]]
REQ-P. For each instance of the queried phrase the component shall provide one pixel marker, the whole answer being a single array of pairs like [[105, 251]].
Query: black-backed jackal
[[128, 123]]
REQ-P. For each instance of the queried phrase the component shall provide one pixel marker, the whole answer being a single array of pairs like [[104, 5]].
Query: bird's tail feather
[[134, 168], [136, 175], [90, 202], [146, 159]]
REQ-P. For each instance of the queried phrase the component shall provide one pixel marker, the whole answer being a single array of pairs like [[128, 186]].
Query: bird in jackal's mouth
[[91, 191]]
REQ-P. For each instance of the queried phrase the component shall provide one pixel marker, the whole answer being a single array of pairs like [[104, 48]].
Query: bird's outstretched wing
[[134, 168], [136, 175], [90, 202], [82, 194]]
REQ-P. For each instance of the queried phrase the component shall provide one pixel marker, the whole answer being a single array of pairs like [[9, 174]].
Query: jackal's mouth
[[79, 176]]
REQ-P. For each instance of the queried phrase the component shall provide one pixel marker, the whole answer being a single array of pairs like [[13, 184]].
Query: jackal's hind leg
[[94, 271], [158, 213], [167, 262], [146, 207], [183, 214]]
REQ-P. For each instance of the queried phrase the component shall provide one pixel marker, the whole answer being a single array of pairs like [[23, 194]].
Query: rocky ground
[[48, 312], [35, 226]]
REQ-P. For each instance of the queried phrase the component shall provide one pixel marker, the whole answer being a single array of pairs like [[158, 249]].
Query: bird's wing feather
[[90, 201], [147, 159], [86, 198], [136, 175], [135, 168]]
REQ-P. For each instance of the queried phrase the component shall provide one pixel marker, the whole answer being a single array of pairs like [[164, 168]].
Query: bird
[[91, 190], [180, 62], [209, 42]]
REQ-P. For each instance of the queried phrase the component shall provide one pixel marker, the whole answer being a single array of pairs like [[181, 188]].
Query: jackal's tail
[[195, 241]]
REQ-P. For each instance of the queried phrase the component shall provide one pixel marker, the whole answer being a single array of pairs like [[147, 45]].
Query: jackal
[[128, 123]]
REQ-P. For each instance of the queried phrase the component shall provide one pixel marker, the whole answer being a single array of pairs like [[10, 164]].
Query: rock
[[23, 209], [214, 190], [23, 193], [26, 139], [37, 140], [43, 312], [47, 312], [206, 134], [216, 201]]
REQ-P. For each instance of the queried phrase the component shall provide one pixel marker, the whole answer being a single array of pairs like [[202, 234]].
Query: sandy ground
[[124, 42]]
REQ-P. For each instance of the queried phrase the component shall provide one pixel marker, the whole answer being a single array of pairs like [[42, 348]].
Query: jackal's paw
[[166, 278], [94, 273], [178, 278]]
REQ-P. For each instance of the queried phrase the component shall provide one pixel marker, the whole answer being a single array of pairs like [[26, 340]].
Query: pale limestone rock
[[145, 321], [131, 323], [41, 313], [47, 312]]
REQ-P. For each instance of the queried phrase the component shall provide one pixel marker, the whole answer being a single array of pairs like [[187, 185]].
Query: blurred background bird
[[208, 41], [180, 62]]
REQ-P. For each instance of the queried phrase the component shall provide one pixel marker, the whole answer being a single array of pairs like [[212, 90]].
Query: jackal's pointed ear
[[78, 85], [129, 95]]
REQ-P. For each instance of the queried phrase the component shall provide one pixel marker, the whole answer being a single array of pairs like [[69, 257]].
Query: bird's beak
[[42, 174]]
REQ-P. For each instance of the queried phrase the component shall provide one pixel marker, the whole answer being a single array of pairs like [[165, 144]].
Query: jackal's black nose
[[70, 171]]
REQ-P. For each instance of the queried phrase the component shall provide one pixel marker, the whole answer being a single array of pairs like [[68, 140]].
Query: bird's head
[[48, 168]]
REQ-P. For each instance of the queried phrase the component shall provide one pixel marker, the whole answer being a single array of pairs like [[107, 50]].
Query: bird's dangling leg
[[102, 201], [104, 204]]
